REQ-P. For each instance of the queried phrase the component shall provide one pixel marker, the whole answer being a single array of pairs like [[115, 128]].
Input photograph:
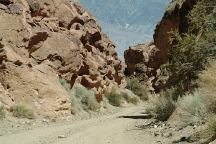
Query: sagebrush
[[81, 97], [162, 107], [137, 88], [192, 108], [115, 97], [22, 111]]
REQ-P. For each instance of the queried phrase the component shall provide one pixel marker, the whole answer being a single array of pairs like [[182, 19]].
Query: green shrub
[[212, 124], [130, 97], [190, 52], [75, 105], [65, 84], [86, 97], [192, 108], [81, 97], [114, 97], [161, 107], [2, 112], [137, 89], [21, 111]]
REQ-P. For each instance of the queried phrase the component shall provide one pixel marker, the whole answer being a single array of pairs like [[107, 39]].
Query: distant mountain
[[127, 22]]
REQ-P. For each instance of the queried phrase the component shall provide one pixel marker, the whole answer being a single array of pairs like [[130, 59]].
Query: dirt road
[[118, 128]]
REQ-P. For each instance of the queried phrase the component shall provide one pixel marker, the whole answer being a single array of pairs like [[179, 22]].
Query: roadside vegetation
[[138, 89], [117, 97], [162, 106], [2, 112], [22, 111], [82, 99], [191, 70]]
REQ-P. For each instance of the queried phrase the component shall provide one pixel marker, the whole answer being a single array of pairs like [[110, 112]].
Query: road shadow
[[137, 116]]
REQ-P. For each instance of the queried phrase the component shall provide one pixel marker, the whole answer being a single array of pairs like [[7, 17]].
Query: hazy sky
[[127, 22]]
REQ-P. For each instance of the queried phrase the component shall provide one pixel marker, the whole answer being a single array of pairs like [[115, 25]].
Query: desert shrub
[[161, 107], [207, 86], [22, 111], [130, 97], [2, 112], [75, 105], [212, 124], [81, 98], [86, 97], [192, 108], [65, 84], [172, 93], [137, 89], [115, 97]]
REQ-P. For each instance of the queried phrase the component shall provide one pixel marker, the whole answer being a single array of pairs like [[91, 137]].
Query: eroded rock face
[[142, 63], [145, 60], [41, 41], [175, 18]]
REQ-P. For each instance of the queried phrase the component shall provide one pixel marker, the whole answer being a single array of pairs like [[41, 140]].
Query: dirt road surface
[[118, 128]]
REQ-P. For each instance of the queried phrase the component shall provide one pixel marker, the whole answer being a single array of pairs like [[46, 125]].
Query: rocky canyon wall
[[42, 41], [144, 60]]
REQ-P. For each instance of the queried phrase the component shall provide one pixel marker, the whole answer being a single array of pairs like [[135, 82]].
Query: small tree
[[190, 52]]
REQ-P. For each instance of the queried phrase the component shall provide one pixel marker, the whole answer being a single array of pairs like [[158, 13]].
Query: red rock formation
[[142, 63], [137, 57], [41, 41], [175, 18]]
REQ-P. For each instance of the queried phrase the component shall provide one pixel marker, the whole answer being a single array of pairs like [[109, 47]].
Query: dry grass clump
[[212, 124], [137, 88], [117, 97], [86, 97], [207, 86], [2, 112], [130, 97], [162, 107], [114, 97], [81, 98], [22, 111], [192, 108]]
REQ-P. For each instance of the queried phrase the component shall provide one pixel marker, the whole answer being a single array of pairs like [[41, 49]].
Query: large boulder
[[44, 41]]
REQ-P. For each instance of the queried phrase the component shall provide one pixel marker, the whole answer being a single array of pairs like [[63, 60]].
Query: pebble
[[61, 136], [156, 134], [167, 135], [46, 120]]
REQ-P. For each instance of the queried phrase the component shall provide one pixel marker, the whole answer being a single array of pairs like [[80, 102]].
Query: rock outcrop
[[142, 63], [175, 18], [43, 41], [145, 60]]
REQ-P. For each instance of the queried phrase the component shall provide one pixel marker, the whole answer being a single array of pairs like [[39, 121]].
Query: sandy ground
[[126, 126], [107, 129]]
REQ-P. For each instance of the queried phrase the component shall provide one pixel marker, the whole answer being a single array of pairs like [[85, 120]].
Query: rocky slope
[[43, 41], [175, 18]]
